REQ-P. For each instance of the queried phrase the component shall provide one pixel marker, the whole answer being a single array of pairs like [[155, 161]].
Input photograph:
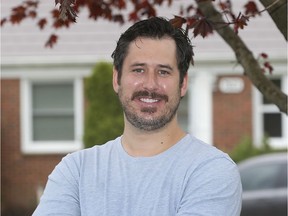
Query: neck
[[138, 143]]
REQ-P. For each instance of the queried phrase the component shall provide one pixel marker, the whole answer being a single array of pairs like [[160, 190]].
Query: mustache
[[152, 95]]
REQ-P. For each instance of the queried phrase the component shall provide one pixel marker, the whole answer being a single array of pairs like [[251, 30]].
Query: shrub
[[104, 116], [246, 149]]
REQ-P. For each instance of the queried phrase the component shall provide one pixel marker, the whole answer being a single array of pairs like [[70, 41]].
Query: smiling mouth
[[149, 97], [148, 100]]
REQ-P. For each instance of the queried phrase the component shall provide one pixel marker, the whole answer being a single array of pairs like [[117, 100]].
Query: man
[[154, 168]]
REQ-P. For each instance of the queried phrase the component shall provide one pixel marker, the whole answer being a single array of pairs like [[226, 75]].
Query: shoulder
[[210, 165], [97, 149], [206, 160], [88, 157], [203, 152]]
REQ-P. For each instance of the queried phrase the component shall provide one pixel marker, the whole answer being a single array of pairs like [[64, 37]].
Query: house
[[42, 95]]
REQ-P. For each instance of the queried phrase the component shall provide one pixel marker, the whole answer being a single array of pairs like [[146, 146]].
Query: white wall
[[98, 39]]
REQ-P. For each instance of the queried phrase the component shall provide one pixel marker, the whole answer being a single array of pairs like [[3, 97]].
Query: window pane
[[277, 82], [53, 128], [272, 124], [53, 111], [51, 96]]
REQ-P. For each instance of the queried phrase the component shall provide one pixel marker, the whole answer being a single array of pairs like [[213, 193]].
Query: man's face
[[149, 89]]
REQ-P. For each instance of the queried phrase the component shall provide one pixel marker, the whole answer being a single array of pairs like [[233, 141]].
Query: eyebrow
[[166, 66], [137, 64], [159, 65]]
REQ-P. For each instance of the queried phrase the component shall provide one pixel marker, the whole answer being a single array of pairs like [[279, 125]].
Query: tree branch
[[245, 58]]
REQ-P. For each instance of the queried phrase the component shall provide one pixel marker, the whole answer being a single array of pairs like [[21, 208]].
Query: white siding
[[98, 39]]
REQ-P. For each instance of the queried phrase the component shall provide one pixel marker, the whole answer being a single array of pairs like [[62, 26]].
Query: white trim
[[257, 120], [259, 109], [79, 104], [25, 114], [50, 60], [46, 72], [200, 102], [40, 147]]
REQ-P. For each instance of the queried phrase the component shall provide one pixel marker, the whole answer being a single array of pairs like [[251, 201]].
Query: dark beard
[[153, 124], [149, 125]]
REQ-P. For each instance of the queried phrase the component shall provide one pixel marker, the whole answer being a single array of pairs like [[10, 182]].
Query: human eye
[[138, 70], [164, 72]]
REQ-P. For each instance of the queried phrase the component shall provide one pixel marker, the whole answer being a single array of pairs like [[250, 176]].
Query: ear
[[184, 86], [115, 80]]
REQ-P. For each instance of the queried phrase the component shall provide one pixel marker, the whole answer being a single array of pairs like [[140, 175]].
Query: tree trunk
[[245, 57], [278, 12]]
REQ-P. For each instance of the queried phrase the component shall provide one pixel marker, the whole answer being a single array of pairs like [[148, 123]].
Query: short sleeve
[[61, 194], [214, 188]]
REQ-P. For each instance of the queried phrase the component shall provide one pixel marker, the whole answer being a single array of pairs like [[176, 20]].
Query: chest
[[121, 188]]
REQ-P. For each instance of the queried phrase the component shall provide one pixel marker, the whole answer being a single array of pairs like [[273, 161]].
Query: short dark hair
[[155, 27]]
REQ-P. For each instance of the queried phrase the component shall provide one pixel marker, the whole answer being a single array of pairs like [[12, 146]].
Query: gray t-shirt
[[190, 178]]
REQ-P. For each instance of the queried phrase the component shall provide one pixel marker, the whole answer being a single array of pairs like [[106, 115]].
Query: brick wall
[[20, 174], [232, 115]]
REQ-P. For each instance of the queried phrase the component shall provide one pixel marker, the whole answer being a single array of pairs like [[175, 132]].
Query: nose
[[151, 81]]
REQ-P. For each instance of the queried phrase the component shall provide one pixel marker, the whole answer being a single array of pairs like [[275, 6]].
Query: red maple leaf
[[148, 10], [264, 55], [268, 66], [3, 21], [177, 21], [41, 23], [32, 3], [121, 4], [118, 18], [59, 23], [51, 41], [251, 8], [18, 14], [191, 21], [240, 22], [22, 11], [201, 26], [55, 13], [32, 14], [264, 62], [133, 16]]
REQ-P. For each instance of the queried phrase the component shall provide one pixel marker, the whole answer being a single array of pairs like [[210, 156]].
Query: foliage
[[113, 11], [199, 17], [104, 116], [246, 149]]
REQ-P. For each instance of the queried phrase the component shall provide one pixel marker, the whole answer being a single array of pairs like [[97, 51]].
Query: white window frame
[[28, 146], [259, 109]]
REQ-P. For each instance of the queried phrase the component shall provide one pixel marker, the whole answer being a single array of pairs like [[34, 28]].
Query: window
[[53, 111], [272, 124], [51, 115], [268, 120]]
